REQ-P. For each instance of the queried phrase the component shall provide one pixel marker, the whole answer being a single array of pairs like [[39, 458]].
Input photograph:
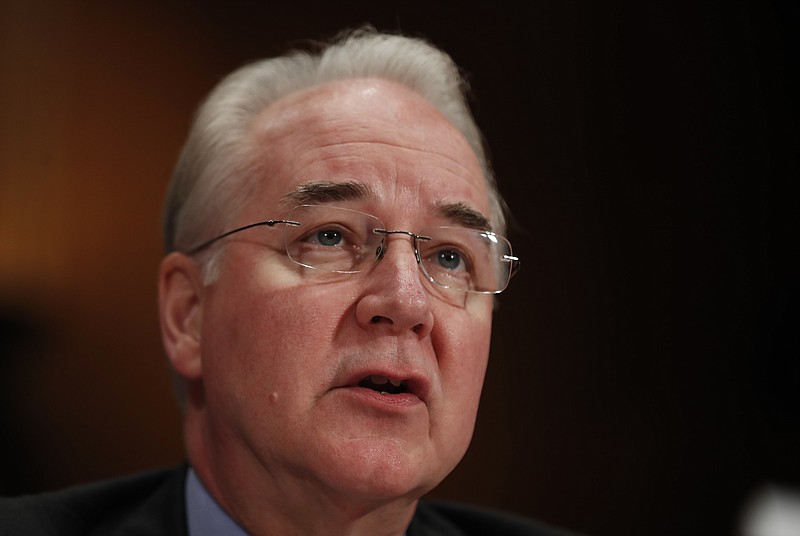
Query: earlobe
[[180, 292]]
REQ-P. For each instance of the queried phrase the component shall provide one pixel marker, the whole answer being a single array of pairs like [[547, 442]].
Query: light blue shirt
[[204, 516]]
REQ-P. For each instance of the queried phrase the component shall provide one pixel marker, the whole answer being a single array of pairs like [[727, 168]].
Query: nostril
[[378, 319]]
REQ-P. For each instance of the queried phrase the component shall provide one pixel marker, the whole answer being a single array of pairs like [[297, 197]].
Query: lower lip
[[376, 399]]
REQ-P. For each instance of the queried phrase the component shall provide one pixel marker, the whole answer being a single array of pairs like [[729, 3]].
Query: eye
[[329, 237], [332, 238], [449, 259]]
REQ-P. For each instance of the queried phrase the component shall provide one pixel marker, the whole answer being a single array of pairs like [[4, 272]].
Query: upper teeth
[[381, 380]]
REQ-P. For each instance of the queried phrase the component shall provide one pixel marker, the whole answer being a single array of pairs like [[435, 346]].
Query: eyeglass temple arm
[[516, 263], [268, 223]]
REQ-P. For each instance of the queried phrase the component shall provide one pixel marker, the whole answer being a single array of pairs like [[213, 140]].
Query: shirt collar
[[204, 516]]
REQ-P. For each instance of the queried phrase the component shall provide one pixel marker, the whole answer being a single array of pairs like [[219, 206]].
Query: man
[[334, 244]]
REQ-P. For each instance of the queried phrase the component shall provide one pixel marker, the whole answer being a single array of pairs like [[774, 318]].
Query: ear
[[180, 304]]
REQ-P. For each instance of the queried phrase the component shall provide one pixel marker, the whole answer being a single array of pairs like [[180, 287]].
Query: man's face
[[284, 348]]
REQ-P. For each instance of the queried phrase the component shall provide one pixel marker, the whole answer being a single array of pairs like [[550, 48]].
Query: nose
[[394, 299]]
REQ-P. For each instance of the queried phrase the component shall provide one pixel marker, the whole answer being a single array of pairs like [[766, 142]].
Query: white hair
[[210, 179]]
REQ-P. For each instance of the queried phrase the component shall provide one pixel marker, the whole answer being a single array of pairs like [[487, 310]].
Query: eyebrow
[[464, 215], [317, 192], [311, 193]]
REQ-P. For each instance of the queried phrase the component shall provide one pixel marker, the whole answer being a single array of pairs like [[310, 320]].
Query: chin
[[381, 470]]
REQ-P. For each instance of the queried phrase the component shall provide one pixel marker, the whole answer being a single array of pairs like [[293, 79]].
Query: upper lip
[[414, 382]]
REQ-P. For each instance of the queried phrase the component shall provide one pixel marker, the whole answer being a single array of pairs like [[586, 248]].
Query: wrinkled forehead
[[371, 132]]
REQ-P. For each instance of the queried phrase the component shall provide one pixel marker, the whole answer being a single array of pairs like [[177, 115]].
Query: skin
[[276, 427]]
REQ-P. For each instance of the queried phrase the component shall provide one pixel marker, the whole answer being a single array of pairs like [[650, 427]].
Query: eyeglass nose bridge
[[415, 238]]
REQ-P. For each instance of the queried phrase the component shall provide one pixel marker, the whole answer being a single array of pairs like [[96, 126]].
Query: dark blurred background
[[645, 373]]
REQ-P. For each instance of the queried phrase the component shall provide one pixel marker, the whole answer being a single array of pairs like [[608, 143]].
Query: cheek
[[463, 351], [462, 337], [468, 370], [262, 337], [264, 362]]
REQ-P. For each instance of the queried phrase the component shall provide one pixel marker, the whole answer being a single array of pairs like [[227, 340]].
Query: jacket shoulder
[[442, 518], [149, 504]]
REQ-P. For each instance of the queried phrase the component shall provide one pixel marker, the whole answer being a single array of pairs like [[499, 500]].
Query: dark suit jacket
[[153, 504]]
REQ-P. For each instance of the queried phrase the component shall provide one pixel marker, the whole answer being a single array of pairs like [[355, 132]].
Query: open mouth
[[384, 385]]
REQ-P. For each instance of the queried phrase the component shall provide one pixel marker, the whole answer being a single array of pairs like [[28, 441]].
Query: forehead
[[371, 131]]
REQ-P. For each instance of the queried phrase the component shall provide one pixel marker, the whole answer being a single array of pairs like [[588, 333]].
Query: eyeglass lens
[[342, 240]]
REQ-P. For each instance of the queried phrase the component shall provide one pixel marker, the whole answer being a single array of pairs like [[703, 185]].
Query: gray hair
[[210, 178]]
